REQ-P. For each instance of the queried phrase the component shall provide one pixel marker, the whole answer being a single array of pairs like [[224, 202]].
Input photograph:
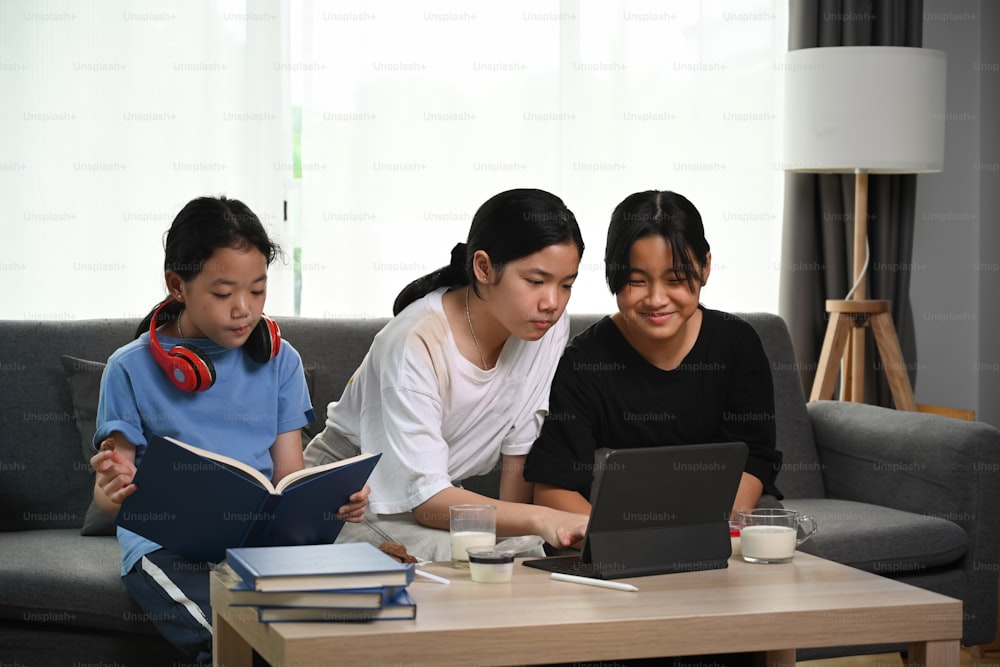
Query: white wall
[[955, 285]]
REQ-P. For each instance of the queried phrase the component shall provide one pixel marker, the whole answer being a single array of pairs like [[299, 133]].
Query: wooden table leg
[[229, 649], [780, 658], [934, 654]]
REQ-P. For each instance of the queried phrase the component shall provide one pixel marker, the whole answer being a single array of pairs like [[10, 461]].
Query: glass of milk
[[471, 526], [772, 535]]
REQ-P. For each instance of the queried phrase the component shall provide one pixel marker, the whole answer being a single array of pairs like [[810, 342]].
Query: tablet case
[[659, 510]]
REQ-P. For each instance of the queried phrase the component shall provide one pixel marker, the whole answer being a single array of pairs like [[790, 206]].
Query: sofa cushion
[[879, 539], [84, 378], [97, 523], [310, 431], [52, 576], [801, 474], [26, 643], [85, 385]]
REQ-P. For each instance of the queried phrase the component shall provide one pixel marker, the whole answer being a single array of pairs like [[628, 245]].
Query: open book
[[199, 503]]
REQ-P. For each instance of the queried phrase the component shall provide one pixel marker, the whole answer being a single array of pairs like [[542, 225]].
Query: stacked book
[[351, 582]]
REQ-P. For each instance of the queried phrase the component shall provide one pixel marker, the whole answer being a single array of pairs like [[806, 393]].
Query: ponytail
[[455, 274]]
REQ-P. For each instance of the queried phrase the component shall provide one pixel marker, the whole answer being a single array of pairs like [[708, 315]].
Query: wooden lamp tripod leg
[[838, 329], [843, 325], [892, 360]]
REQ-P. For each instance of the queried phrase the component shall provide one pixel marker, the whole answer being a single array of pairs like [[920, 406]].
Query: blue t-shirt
[[239, 416]]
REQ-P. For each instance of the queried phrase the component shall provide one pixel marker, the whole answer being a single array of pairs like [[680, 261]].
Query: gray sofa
[[908, 496]]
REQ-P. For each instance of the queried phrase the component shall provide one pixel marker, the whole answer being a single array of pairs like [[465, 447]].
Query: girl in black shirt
[[662, 370]]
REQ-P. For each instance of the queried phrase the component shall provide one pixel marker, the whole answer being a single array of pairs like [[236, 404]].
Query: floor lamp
[[863, 110]]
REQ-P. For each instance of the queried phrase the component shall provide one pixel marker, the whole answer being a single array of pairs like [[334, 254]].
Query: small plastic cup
[[494, 564], [489, 566]]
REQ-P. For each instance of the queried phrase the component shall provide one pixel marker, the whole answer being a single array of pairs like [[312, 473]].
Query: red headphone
[[190, 369]]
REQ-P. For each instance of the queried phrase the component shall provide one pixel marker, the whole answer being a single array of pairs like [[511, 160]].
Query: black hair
[[655, 213], [200, 228], [508, 226]]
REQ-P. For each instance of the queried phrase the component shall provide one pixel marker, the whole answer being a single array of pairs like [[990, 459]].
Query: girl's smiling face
[[657, 302]]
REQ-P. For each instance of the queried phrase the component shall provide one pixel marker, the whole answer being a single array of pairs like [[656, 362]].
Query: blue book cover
[[199, 503], [241, 594], [400, 607], [318, 567]]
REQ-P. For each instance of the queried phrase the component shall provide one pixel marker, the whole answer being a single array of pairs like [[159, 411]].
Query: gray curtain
[[817, 247]]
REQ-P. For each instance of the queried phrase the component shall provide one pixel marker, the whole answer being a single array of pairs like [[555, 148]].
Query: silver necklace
[[180, 334], [468, 318]]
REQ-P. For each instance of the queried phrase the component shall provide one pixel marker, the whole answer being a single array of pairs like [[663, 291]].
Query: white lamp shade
[[878, 109]]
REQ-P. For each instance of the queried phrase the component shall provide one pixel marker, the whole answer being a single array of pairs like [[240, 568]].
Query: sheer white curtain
[[115, 114], [406, 117], [414, 113]]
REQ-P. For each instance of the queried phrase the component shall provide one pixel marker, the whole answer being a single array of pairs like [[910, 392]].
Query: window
[[413, 115], [384, 125]]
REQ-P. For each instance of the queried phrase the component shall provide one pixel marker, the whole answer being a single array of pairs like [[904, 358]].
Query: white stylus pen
[[432, 577], [572, 578]]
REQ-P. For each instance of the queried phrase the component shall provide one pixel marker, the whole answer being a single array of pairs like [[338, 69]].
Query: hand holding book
[[199, 503], [354, 510]]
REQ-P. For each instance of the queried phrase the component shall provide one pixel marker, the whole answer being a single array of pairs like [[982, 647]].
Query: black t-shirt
[[605, 394]]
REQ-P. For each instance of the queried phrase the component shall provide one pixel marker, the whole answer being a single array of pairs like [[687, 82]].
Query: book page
[[238, 466], [249, 471], [298, 476]]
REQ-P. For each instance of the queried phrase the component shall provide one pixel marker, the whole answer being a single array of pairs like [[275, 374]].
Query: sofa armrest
[[925, 464], [921, 463]]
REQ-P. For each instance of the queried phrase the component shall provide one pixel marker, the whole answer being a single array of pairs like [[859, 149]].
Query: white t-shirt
[[435, 416]]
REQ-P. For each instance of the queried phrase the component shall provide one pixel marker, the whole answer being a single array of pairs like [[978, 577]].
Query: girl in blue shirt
[[209, 369]]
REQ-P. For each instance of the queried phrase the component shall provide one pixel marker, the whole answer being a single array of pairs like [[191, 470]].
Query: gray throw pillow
[[310, 431], [85, 385], [84, 378]]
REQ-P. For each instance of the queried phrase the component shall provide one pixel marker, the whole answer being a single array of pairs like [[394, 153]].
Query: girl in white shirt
[[459, 379]]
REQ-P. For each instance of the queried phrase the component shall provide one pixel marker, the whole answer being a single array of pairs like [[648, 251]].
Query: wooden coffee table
[[808, 603]]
